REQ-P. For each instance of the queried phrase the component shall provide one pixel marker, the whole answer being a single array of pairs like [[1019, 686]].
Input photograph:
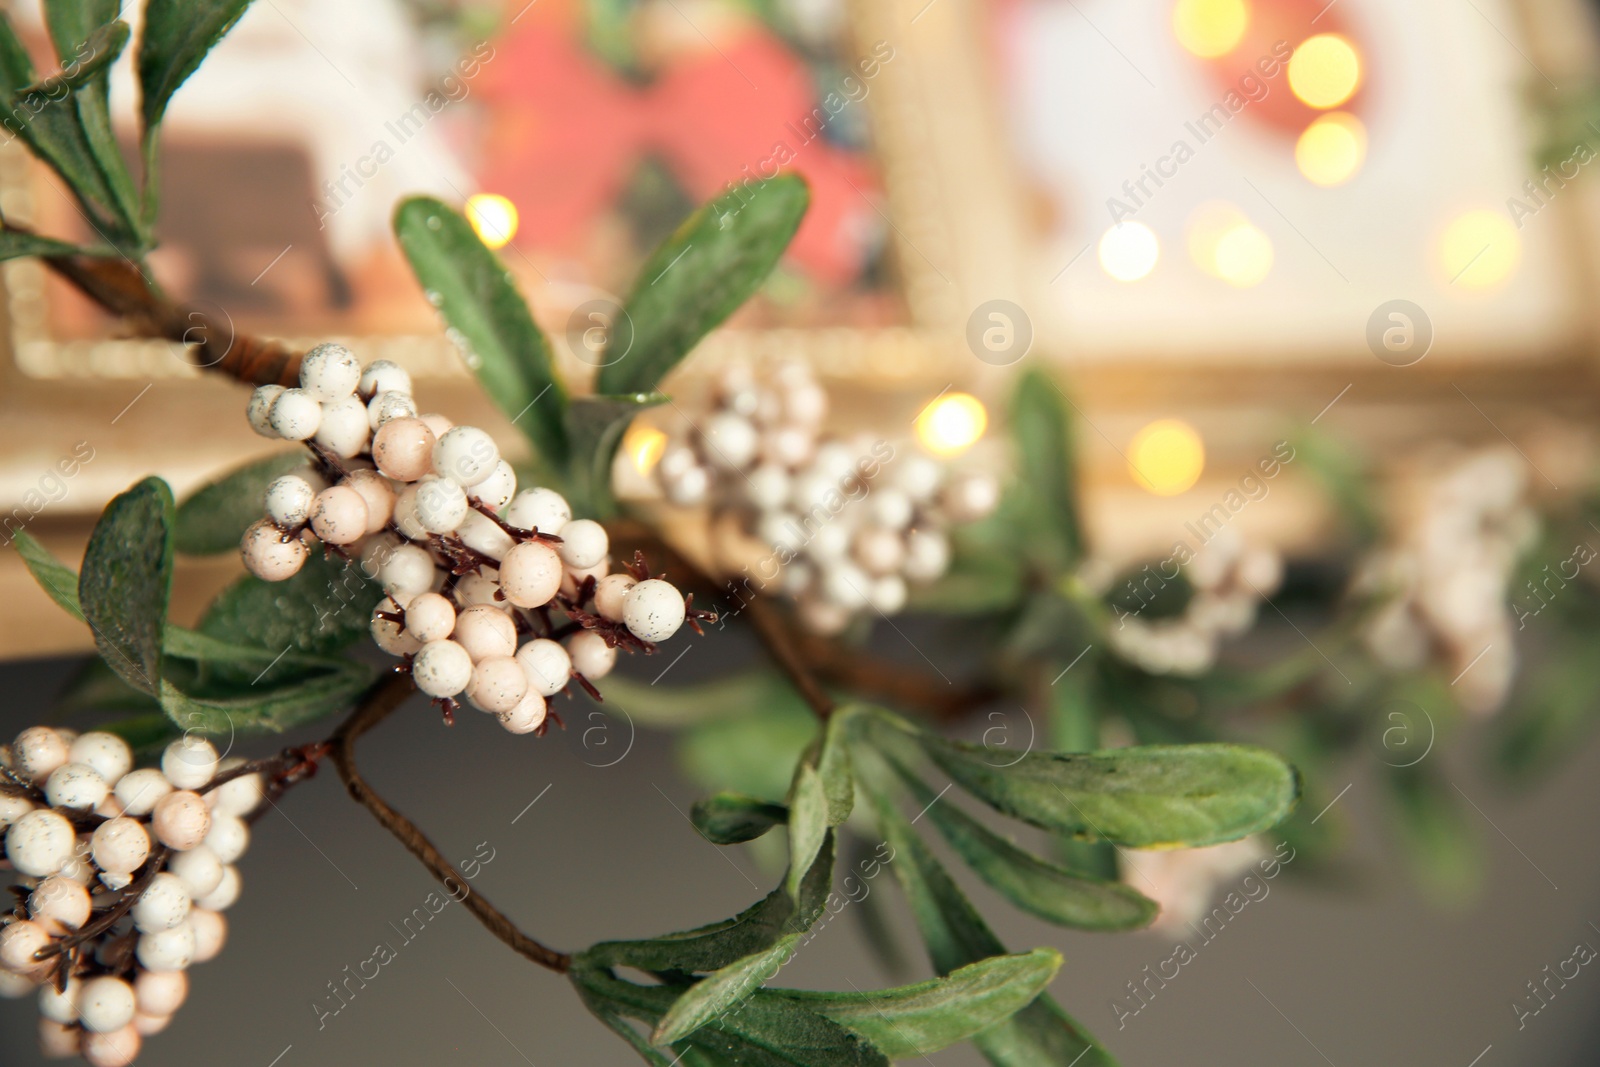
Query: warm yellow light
[[1209, 223], [1325, 70], [643, 444], [1479, 249], [1243, 256], [493, 217], [1166, 457], [1332, 148], [1128, 251], [952, 423], [1210, 28]]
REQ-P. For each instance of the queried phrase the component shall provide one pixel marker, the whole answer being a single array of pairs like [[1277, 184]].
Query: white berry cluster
[[472, 568], [1229, 580], [123, 876], [1443, 581], [848, 522]]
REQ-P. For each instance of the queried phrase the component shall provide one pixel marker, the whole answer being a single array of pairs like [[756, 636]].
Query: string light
[[493, 217], [1167, 457], [643, 445], [1128, 251], [1325, 71], [1332, 148], [952, 423]]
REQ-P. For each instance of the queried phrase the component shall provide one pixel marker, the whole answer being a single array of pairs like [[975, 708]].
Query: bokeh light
[[643, 444], [493, 217], [1243, 256], [1166, 457], [1128, 251], [1325, 70], [1331, 150], [1210, 28], [1479, 249], [952, 423]]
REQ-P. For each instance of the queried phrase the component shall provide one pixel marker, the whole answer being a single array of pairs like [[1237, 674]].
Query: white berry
[[546, 664], [583, 543], [59, 904], [344, 429], [378, 494], [485, 632], [228, 837], [120, 846], [498, 684], [530, 574], [927, 555], [609, 593], [238, 796], [539, 509], [270, 555], [105, 1004], [18, 943], [388, 407], [384, 376], [407, 571], [591, 656], [160, 994], [198, 869], [116, 1049], [37, 751], [295, 415], [13, 808], [259, 409], [210, 933], [329, 372], [442, 669], [441, 505], [138, 791], [497, 490], [75, 785], [730, 441], [526, 717], [189, 762], [430, 617], [181, 820], [482, 534], [167, 950], [163, 905], [225, 895], [466, 455], [40, 843], [60, 1007], [653, 610], [389, 635]]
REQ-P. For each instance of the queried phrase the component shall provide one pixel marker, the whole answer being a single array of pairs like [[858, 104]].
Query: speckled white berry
[[498, 684], [653, 610], [37, 751], [13, 808], [259, 409], [388, 407], [180, 820], [526, 717], [60, 1006], [485, 632], [539, 509], [40, 843], [407, 571], [225, 895], [189, 762], [238, 796], [198, 869], [389, 635], [378, 494], [530, 574], [609, 594], [591, 656], [384, 376], [482, 590], [228, 837], [583, 543], [482, 534], [403, 449], [288, 501], [139, 790], [546, 664], [295, 415], [466, 455], [160, 994], [442, 669], [18, 943], [430, 617], [497, 490], [163, 905], [210, 933], [59, 904], [441, 505], [167, 950], [120, 846], [344, 429], [329, 372], [105, 1004], [271, 555]]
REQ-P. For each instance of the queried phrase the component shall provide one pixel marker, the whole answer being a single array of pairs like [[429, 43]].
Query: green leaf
[[325, 607], [177, 36], [127, 580], [595, 425], [53, 576], [72, 21], [213, 518], [754, 753], [700, 275], [271, 710], [715, 946], [15, 245], [1437, 836], [488, 320], [731, 697], [916, 1020], [1148, 797], [87, 39], [1037, 887], [833, 764], [722, 992], [1047, 462], [1041, 1035], [808, 824], [731, 818], [85, 58]]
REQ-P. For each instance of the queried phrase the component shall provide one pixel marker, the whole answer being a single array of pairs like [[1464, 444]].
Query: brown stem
[[775, 639], [111, 916], [378, 704]]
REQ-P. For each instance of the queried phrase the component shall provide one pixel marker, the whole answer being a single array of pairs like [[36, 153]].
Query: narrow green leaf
[[127, 580], [833, 765], [273, 710], [86, 58], [14, 245], [700, 275], [734, 696], [1154, 796], [595, 425], [719, 993], [753, 753], [1047, 461], [213, 518], [488, 320], [916, 1020], [1043, 889], [808, 824], [88, 37], [72, 21], [730, 818], [177, 36], [53, 576], [327, 606]]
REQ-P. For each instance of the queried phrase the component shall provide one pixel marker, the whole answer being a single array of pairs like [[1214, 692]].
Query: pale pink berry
[[120, 846], [160, 994], [167, 950], [526, 717], [117, 1049], [37, 751], [583, 543], [199, 870], [377, 493], [59, 904], [339, 515], [105, 1005], [59, 1041], [546, 664], [430, 617], [225, 895], [403, 449], [442, 668], [270, 554], [181, 820], [539, 509], [485, 632], [530, 575], [498, 684], [390, 635], [609, 593], [210, 934], [18, 943], [139, 790], [591, 656]]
